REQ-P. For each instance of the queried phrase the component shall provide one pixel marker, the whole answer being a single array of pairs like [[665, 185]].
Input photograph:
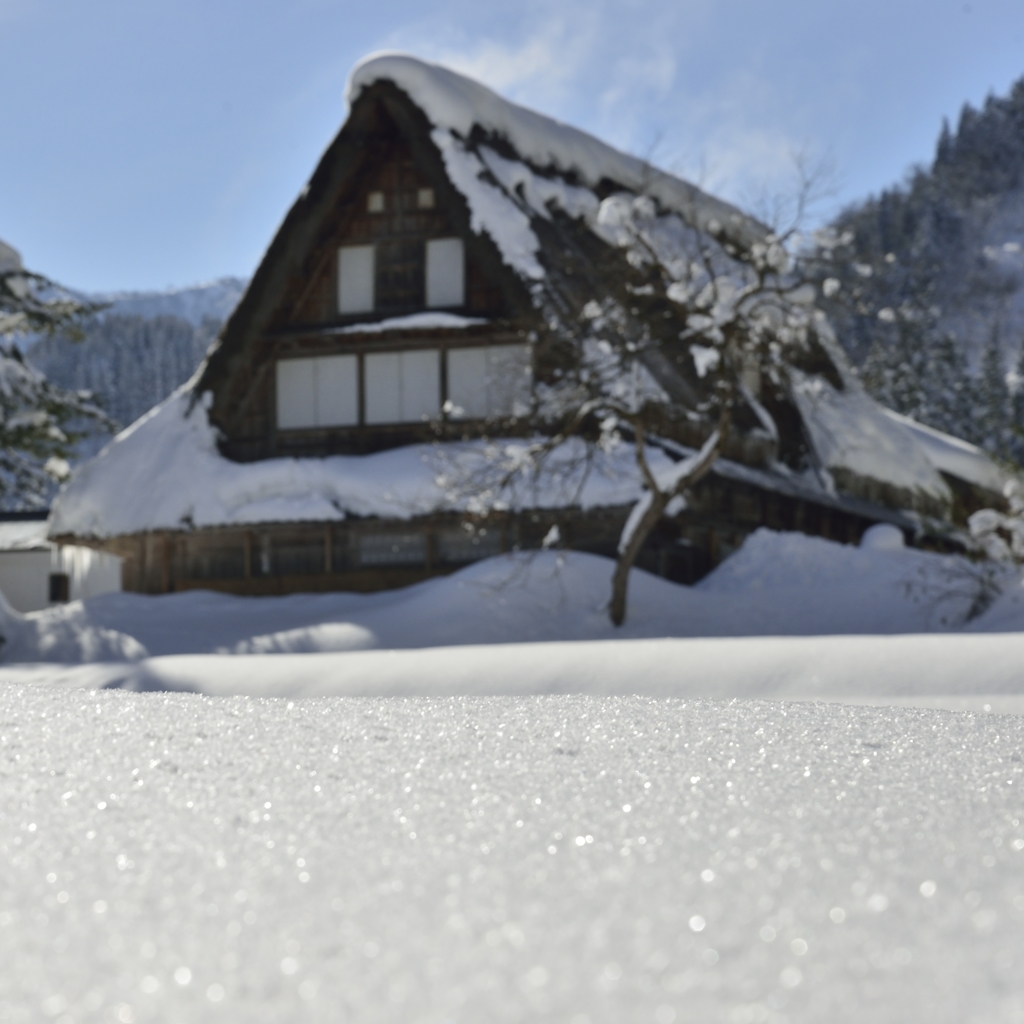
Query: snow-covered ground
[[490, 805], [817, 620], [573, 859], [776, 584]]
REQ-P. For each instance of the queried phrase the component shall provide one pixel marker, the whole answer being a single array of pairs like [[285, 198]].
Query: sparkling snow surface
[[179, 858]]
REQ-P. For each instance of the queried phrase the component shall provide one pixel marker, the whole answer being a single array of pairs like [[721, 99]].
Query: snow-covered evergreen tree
[[994, 403], [40, 422], [129, 361]]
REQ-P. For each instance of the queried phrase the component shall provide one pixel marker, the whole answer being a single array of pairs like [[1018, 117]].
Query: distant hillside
[[931, 303], [138, 350], [212, 301]]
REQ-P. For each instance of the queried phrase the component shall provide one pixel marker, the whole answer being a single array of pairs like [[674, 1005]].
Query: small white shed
[[35, 573]]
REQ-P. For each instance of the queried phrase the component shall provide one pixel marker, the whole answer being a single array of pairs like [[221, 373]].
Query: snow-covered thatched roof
[[954, 456], [522, 178]]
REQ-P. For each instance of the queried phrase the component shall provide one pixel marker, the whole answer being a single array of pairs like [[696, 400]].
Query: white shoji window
[[318, 392], [489, 382], [403, 387], [446, 273], [355, 279]]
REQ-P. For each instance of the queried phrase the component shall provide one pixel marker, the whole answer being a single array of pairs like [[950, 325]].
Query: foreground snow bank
[[617, 860], [776, 584], [936, 670]]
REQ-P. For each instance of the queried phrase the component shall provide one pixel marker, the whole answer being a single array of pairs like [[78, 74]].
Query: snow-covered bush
[[1000, 534]]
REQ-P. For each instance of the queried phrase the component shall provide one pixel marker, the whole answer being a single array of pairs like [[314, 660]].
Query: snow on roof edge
[[24, 535], [848, 431], [431, 320], [953, 455], [165, 472]]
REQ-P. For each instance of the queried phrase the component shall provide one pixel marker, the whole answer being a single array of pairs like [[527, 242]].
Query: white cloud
[[540, 69], [643, 76]]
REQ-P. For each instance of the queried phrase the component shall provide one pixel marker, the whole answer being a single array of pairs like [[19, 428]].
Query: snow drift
[[627, 860], [776, 584], [768, 623]]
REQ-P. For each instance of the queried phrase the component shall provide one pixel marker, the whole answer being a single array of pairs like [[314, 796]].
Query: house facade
[[403, 320]]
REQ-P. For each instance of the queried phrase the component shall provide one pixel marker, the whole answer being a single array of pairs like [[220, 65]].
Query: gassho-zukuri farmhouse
[[393, 338]]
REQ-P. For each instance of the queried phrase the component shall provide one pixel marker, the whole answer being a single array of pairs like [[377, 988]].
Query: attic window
[[446, 273], [375, 202], [356, 271], [319, 392], [425, 198]]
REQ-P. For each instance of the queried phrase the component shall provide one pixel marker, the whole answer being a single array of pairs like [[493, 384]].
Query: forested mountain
[[930, 302], [140, 348]]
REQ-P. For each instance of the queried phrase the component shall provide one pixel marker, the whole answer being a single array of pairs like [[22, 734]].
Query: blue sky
[[148, 144]]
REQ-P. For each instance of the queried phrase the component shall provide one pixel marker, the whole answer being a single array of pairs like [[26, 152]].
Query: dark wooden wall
[[354, 555]]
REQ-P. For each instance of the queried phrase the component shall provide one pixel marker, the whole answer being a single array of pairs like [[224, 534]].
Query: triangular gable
[[384, 147]]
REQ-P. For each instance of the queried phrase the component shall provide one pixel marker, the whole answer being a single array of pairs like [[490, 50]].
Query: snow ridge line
[[904, 669]]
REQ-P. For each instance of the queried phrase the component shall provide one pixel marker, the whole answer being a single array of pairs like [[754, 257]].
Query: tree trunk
[[620, 578], [703, 461]]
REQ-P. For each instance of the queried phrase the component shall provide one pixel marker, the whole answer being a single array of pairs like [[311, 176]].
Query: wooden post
[[165, 564]]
